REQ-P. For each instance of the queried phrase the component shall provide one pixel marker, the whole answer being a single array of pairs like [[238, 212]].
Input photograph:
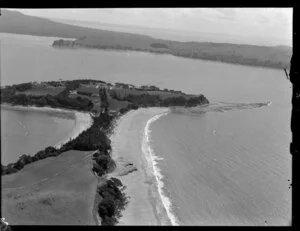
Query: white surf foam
[[152, 159]]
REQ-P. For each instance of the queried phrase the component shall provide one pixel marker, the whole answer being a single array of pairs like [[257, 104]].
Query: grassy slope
[[125, 92], [15, 22], [53, 191], [43, 91]]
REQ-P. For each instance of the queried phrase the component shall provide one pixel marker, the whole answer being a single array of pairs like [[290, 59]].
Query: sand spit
[[145, 206]]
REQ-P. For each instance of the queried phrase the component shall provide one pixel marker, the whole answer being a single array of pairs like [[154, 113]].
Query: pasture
[[120, 92], [38, 91]]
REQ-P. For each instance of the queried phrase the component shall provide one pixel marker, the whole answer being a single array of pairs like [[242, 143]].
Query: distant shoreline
[[170, 55], [121, 50], [277, 57]]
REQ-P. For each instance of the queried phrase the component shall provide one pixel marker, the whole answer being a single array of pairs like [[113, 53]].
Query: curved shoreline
[[147, 200], [82, 120], [145, 206], [152, 159]]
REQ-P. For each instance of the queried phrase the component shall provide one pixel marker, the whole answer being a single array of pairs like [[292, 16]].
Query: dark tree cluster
[[147, 100], [103, 100], [85, 93], [129, 107], [143, 100], [159, 45], [103, 163], [60, 100], [7, 93], [182, 101], [113, 201], [64, 43], [27, 159], [92, 139], [23, 86]]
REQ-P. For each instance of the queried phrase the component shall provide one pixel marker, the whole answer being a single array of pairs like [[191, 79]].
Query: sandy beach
[[51, 188], [82, 122], [145, 205]]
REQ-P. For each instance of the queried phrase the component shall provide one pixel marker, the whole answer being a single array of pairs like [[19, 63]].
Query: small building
[[60, 84], [131, 86], [74, 92], [97, 85], [43, 84]]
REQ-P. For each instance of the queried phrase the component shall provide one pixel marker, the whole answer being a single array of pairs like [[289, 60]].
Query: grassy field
[[74, 96], [92, 90], [163, 94], [43, 91], [54, 191], [116, 105]]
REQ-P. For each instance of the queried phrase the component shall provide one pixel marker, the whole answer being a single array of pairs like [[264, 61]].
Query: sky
[[252, 25]]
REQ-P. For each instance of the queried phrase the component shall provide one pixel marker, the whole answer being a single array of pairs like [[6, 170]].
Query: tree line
[[147, 100]]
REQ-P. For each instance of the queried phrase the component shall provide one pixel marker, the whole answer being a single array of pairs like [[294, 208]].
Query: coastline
[[253, 65], [130, 143], [83, 120]]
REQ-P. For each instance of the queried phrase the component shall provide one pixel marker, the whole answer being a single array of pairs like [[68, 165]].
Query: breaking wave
[[152, 160]]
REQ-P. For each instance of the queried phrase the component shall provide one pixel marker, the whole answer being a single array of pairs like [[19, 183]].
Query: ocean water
[[225, 167], [227, 163], [224, 164], [27, 132]]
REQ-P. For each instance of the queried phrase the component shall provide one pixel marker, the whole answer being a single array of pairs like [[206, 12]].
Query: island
[[74, 37], [106, 103]]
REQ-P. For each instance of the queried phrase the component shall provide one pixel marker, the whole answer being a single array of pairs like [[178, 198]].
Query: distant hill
[[18, 23]]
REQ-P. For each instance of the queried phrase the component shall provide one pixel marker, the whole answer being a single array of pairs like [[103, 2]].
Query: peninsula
[[92, 149]]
